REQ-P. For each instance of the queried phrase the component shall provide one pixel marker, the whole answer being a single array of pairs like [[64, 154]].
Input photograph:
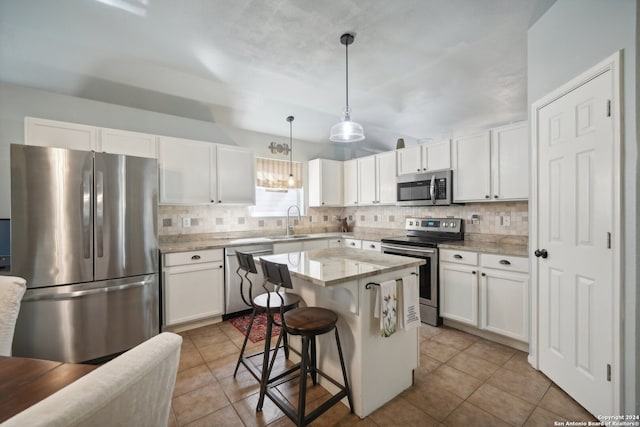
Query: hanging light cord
[[290, 146], [347, 72]]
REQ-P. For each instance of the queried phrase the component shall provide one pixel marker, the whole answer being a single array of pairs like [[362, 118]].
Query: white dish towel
[[410, 303], [386, 307]]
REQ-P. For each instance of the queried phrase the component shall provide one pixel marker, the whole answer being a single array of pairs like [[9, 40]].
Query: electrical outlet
[[186, 222]]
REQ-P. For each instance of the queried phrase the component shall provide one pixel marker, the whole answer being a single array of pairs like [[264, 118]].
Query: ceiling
[[417, 69]]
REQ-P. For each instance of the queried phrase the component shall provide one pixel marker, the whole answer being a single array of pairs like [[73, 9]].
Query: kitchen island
[[379, 368]]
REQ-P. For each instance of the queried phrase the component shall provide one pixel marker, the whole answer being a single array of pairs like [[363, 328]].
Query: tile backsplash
[[507, 218], [501, 218], [228, 219]]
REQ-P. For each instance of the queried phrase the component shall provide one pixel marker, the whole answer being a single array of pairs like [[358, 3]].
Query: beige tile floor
[[462, 381]]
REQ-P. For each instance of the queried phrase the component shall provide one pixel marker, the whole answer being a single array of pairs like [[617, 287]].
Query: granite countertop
[[197, 243], [488, 247], [476, 243], [327, 267]]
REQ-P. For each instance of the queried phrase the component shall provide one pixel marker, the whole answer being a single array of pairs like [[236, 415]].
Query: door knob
[[541, 253]]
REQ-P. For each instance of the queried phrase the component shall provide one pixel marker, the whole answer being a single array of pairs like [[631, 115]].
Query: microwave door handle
[[432, 189]]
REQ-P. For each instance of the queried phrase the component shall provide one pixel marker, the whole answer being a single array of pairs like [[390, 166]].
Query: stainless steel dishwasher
[[232, 300]]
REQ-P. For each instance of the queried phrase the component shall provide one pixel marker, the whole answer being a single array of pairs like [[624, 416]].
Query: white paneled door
[[575, 265]]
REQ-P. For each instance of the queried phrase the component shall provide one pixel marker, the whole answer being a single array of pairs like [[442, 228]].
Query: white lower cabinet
[[371, 245], [193, 286], [353, 243], [487, 291], [459, 292], [336, 243], [504, 303]]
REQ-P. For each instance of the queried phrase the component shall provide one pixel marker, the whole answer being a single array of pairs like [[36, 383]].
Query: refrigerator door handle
[[86, 214], [99, 214], [76, 294]]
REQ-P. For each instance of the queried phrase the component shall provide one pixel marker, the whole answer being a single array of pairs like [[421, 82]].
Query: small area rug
[[259, 328]]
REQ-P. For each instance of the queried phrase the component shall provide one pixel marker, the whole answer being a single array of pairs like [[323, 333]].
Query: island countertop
[[327, 267]]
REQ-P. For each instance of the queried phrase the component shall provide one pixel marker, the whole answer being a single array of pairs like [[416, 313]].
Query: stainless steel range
[[421, 241]]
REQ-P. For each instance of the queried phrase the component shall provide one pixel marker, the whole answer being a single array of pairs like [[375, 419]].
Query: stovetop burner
[[428, 232]]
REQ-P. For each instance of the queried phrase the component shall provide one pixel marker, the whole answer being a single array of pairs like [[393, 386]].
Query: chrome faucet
[[289, 225]]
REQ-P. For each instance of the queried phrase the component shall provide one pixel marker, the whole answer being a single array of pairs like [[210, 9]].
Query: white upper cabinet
[[436, 155], [377, 179], [50, 133], [471, 158], [424, 157], [236, 171], [187, 171], [386, 177], [367, 180], [350, 170], [409, 160], [198, 172], [492, 165], [510, 162], [325, 182], [130, 143]]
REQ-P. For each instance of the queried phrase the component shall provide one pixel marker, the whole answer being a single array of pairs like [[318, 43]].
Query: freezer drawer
[[82, 322]]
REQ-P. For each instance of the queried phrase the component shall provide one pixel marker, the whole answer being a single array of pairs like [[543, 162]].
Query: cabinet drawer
[[505, 262], [353, 243], [193, 257], [461, 257], [370, 245]]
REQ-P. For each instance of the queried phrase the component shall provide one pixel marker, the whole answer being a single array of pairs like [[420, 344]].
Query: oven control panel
[[451, 225]]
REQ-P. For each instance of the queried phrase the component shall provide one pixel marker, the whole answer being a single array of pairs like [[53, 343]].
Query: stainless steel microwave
[[425, 189]]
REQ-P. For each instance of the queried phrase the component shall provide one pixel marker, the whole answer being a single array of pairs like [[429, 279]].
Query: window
[[273, 193]]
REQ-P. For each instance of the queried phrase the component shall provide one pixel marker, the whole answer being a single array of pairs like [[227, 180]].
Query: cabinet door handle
[[418, 169], [504, 262], [456, 256], [495, 197], [487, 197], [220, 266], [473, 272], [195, 257], [372, 246], [483, 274]]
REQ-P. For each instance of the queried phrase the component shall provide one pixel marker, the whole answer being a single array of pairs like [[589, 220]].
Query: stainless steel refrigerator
[[84, 236]]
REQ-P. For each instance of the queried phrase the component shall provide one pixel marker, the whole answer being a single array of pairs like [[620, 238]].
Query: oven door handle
[[407, 250]]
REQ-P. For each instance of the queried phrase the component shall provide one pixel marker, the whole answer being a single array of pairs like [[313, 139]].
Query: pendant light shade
[[347, 130]]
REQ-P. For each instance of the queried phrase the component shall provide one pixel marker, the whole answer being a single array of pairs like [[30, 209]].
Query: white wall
[[16, 102], [570, 38]]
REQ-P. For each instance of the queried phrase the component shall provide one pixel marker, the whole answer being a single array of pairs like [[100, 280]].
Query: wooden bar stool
[[308, 323], [264, 303]]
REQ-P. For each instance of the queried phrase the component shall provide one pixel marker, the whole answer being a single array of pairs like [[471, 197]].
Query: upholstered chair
[[134, 389], [11, 291]]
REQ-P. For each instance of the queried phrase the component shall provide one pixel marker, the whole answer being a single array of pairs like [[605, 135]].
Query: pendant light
[[346, 130], [291, 181]]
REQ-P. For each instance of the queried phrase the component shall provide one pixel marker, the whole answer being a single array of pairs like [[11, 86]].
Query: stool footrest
[[257, 373], [290, 411]]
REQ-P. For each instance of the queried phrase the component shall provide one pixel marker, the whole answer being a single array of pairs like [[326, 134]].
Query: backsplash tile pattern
[[229, 219], [506, 218], [500, 218]]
